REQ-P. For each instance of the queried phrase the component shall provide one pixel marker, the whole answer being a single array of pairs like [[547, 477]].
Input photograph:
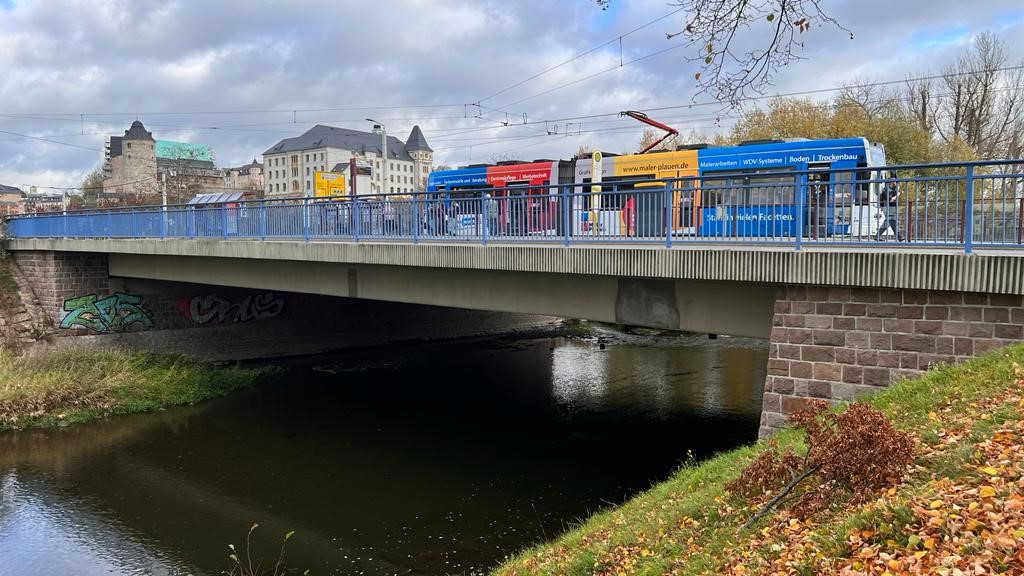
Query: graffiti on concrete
[[115, 313], [215, 309]]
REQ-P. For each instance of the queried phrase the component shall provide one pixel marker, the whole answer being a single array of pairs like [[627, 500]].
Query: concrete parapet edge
[[995, 272]]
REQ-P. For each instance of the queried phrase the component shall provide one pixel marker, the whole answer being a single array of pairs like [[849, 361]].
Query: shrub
[[850, 453]]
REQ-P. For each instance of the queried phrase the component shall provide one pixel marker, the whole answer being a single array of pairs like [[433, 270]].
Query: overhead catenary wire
[[452, 131], [582, 54]]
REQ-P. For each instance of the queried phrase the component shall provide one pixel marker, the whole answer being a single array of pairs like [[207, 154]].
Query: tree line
[[973, 109]]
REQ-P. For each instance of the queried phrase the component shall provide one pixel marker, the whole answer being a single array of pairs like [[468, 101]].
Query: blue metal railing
[[968, 205]]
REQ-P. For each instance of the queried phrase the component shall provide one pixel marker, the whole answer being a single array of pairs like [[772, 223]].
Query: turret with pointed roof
[[137, 132], [416, 141]]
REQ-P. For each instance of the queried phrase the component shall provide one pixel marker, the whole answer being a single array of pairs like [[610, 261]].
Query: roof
[[217, 198], [11, 190], [137, 132], [416, 140], [115, 146], [321, 136], [247, 168], [171, 150]]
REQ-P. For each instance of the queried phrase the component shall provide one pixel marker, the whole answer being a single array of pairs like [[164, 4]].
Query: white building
[[290, 164]]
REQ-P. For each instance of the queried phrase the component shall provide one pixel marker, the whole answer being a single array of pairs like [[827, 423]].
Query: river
[[426, 459]]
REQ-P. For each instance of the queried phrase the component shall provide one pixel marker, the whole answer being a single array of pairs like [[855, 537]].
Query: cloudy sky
[[241, 75]]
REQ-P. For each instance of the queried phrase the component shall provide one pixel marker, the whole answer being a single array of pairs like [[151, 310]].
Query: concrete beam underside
[[710, 307]]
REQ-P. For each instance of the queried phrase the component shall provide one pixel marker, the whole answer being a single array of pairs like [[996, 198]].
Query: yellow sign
[[327, 184]]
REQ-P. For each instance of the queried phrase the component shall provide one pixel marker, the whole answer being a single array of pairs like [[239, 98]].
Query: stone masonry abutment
[[86, 306], [838, 343]]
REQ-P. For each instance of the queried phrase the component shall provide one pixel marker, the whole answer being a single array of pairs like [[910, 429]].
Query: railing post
[[357, 220], [163, 222], [305, 219], [1020, 220], [566, 215], [415, 220], [668, 214], [969, 211], [131, 219], [110, 223], [801, 201], [224, 221], [483, 225], [261, 219]]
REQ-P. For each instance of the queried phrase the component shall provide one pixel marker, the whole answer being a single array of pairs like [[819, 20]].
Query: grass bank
[[958, 511], [61, 387]]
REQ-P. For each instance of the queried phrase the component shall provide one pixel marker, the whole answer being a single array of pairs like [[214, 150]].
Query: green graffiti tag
[[114, 313]]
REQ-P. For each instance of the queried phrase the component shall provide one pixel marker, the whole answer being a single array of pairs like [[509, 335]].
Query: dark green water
[[434, 459]]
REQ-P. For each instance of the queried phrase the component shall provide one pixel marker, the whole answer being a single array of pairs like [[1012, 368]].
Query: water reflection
[[426, 460]]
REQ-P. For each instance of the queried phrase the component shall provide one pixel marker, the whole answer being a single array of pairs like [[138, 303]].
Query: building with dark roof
[[290, 165], [10, 200], [247, 177], [136, 164]]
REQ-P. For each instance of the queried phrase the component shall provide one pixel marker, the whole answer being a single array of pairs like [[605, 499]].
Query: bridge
[[847, 307]]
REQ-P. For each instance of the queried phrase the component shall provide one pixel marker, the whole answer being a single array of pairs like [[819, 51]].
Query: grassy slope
[[75, 385], [690, 525]]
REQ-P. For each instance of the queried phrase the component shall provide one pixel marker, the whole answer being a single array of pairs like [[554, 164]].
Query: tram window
[[769, 189], [864, 185], [842, 190]]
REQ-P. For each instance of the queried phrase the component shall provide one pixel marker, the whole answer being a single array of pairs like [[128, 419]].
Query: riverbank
[[73, 385], [958, 510]]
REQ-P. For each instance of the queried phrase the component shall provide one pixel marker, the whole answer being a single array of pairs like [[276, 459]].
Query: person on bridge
[[888, 201]]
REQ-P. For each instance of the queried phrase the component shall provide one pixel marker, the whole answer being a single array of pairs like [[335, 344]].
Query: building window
[[277, 187], [307, 170], [391, 177], [129, 145], [307, 157], [307, 184], [321, 156]]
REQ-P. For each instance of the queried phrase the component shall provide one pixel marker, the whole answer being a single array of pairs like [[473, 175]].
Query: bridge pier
[[838, 343]]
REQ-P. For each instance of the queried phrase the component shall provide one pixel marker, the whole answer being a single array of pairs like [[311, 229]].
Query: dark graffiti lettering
[[115, 313], [215, 309]]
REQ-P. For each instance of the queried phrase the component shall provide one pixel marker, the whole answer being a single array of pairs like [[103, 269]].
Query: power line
[[595, 74], [50, 141], [238, 111], [580, 55]]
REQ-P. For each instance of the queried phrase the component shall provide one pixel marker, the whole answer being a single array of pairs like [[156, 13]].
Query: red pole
[[352, 175]]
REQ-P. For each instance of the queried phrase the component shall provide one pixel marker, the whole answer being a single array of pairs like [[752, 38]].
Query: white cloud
[[112, 60]]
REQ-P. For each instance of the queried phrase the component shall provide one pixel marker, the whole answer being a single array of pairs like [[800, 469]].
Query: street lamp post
[[383, 151]]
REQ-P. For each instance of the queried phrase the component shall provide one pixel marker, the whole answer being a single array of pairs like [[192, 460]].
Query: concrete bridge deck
[[841, 320]]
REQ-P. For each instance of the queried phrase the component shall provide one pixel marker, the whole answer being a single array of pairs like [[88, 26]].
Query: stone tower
[[422, 157], [133, 162]]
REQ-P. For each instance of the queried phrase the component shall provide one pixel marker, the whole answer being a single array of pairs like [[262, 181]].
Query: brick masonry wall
[[838, 343], [57, 276]]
